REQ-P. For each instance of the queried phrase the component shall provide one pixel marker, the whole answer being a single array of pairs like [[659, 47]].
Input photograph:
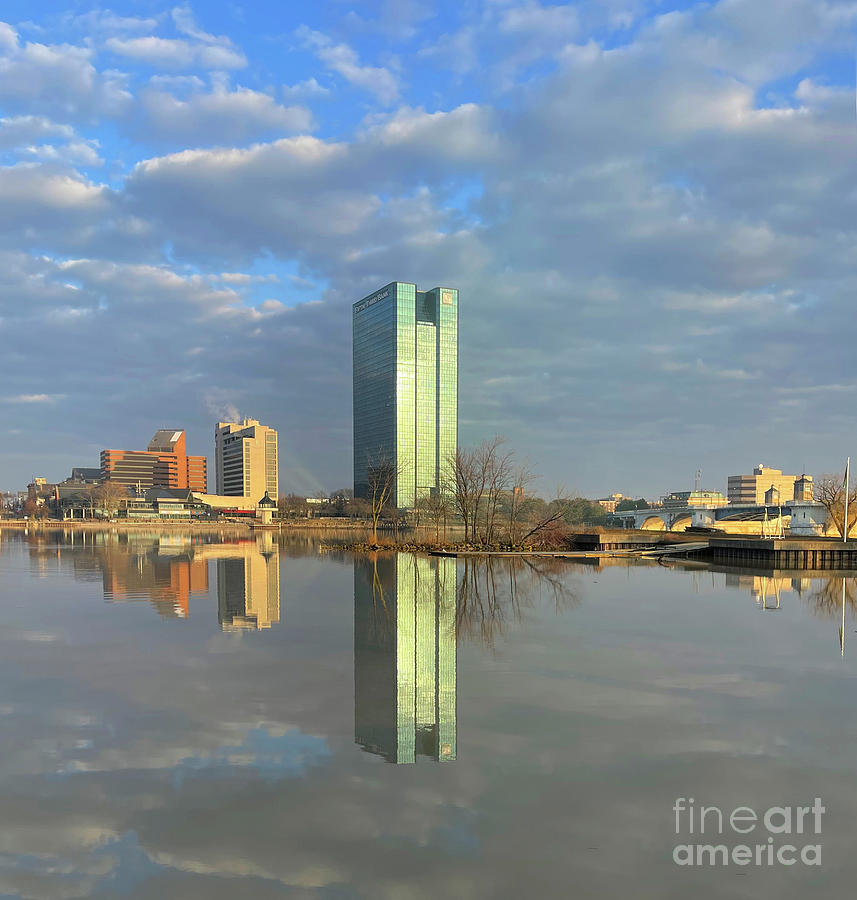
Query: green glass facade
[[406, 387], [405, 657]]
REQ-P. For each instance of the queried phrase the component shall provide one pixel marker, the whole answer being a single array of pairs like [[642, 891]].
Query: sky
[[648, 208]]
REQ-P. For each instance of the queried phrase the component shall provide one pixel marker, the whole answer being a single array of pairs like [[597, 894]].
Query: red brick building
[[164, 464]]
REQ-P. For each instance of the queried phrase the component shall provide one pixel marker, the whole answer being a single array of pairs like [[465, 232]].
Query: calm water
[[182, 718]]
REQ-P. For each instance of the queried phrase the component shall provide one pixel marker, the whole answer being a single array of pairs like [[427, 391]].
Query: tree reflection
[[493, 591], [825, 597]]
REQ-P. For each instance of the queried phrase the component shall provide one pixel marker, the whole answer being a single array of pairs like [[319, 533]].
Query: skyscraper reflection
[[248, 583], [405, 656]]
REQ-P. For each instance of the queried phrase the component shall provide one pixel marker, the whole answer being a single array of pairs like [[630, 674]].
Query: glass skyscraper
[[405, 657], [406, 387]]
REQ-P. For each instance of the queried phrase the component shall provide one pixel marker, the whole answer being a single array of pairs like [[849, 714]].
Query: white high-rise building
[[245, 456]]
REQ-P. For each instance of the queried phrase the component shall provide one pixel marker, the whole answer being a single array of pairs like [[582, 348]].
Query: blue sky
[[648, 209]]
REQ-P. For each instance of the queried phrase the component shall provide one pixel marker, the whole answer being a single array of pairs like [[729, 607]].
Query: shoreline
[[180, 525]]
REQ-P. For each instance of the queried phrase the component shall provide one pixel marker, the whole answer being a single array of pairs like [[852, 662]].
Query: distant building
[[39, 490], [803, 489], [164, 503], [405, 388], [750, 489], [226, 505], [609, 503], [245, 456], [83, 475], [164, 463], [265, 509], [707, 499]]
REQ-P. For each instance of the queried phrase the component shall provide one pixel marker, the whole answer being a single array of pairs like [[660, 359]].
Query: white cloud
[[244, 278], [643, 193], [104, 21], [304, 89], [59, 80], [176, 83], [24, 188], [8, 37], [343, 60], [463, 133], [171, 53], [220, 117], [33, 398], [543, 21], [18, 131], [75, 153], [186, 24]]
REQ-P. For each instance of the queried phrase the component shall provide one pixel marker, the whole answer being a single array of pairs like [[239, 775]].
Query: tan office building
[[245, 456], [751, 489]]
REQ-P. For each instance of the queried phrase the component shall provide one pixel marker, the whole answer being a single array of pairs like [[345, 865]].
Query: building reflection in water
[[405, 656], [166, 574], [248, 588], [827, 596], [767, 590], [168, 570]]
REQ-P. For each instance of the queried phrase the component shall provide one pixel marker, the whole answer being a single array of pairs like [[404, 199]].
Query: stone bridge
[[680, 518]]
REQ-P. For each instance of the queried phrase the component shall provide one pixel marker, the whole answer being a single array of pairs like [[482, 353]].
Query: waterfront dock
[[631, 539], [794, 553]]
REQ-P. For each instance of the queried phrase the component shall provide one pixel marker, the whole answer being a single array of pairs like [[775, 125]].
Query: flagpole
[[847, 489]]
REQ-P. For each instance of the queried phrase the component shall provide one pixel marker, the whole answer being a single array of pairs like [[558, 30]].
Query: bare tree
[[830, 491], [291, 505], [381, 476], [461, 487], [478, 478], [548, 522], [110, 494], [496, 473], [521, 479], [436, 508]]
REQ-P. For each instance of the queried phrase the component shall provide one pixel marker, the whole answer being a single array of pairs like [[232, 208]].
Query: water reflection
[[168, 570], [147, 757], [409, 614], [494, 591], [248, 587], [828, 597], [405, 657], [165, 576]]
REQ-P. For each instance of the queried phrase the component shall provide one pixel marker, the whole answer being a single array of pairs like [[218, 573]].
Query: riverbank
[[195, 525], [573, 544], [118, 525], [792, 553]]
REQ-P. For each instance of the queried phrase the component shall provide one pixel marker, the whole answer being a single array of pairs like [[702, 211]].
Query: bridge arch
[[681, 523], [654, 523]]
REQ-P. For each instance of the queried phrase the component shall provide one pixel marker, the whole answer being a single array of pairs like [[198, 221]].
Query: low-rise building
[[228, 505], [164, 503], [701, 498], [608, 504]]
